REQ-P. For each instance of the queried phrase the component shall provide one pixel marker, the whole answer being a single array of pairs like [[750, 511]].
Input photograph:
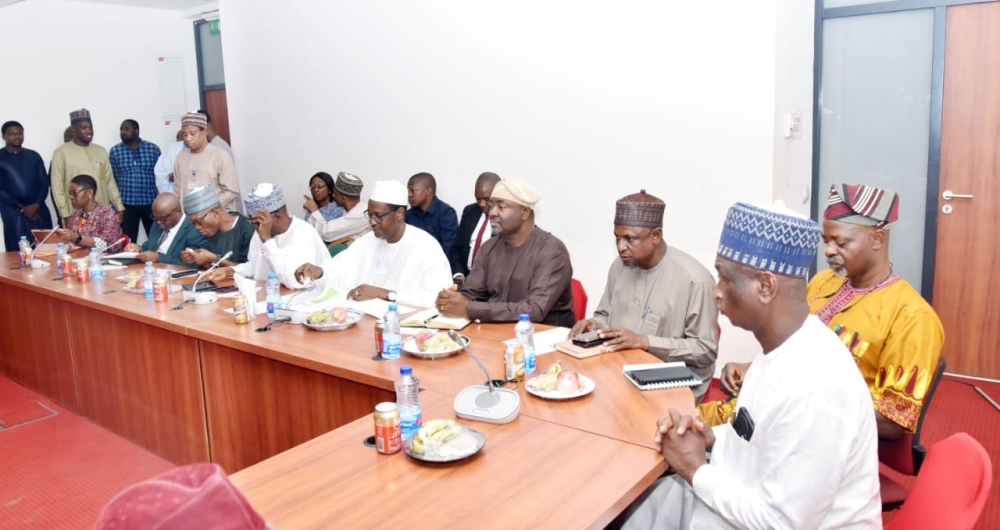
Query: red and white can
[[388, 435]]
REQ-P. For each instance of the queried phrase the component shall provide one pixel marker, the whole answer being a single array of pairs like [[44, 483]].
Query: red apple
[[422, 337], [568, 382], [339, 315]]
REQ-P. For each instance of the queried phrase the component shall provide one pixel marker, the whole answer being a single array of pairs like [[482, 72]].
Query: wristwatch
[[391, 296]]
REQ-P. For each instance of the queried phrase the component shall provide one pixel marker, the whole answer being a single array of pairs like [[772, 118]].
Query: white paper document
[[545, 341]]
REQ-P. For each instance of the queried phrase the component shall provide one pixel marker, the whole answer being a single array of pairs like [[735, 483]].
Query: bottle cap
[[271, 275], [405, 370], [149, 263], [24, 237], [392, 307], [524, 317]]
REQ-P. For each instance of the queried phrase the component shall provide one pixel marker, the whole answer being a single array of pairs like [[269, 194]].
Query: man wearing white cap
[[524, 269], [281, 244], [394, 262]]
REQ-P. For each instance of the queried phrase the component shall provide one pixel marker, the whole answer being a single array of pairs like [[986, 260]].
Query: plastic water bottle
[[96, 269], [60, 252], [408, 399], [273, 292], [525, 333], [148, 275], [391, 338], [25, 251]]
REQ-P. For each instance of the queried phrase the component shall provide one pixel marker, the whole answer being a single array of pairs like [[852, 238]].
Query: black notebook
[[660, 375]]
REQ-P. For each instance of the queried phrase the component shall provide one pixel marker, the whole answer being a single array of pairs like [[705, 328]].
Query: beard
[[838, 268]]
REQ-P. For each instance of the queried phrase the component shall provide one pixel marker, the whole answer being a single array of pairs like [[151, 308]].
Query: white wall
[[63, 55], [589, 101]]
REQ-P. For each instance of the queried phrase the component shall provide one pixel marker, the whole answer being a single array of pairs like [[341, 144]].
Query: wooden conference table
[[191, 386]]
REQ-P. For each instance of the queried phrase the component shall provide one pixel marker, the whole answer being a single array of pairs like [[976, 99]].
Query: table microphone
[[194, 287], [485, 402]]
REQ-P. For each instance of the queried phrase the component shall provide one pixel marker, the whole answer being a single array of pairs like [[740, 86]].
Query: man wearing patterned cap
[[224, 231], [204, 164], [893, 333], [281, 244], [81, 157], [523, 269], [657, 298], [395, 262], [346, 194], [802, 451]]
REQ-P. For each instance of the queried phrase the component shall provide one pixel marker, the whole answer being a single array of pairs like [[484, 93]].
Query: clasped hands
[[450, 302], [683, 441], [618, 338]]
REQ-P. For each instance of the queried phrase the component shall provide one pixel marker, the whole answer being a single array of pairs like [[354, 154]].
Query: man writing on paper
[[223, 231], [281, 244], [657, 298], [474, 228], [802, 451], [893, 333], [524, 269], [172, 234], [92, 224], [395, 262]]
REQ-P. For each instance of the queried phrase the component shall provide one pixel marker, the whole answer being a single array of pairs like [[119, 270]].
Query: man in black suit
[[171, 234], [474, 230]]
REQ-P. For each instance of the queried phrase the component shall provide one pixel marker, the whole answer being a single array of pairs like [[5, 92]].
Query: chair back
[[906, 454], [339, 245], [579, 300], [951, 489]]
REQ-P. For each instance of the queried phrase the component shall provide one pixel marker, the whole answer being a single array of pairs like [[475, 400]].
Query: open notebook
[[429, 318], [655, 376]]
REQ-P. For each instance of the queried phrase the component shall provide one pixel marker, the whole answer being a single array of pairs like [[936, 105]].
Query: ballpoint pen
[[643, 317]]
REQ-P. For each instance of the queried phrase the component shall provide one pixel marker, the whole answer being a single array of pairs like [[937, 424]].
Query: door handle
[[948, 195]]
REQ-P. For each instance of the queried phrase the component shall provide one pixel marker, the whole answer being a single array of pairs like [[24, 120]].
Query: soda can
[[513, 362], [161, 289], [379, 327], [67, 264], [82, 270], [388, 435], [240, 314]]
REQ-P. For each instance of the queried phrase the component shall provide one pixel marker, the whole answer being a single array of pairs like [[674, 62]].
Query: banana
[[436, 432], [547, 381]]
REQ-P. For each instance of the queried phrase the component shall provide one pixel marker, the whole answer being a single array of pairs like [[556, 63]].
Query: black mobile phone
[[184, 273], [589, 339], [743, 424]]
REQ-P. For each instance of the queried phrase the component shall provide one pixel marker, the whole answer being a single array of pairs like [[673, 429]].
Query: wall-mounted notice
[[173, 92]]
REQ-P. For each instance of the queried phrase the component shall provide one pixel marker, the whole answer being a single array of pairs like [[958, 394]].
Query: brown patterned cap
[[79, 115], [640, 209]]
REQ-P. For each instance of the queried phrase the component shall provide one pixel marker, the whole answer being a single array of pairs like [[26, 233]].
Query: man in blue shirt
[[429, 213], [132, 163]]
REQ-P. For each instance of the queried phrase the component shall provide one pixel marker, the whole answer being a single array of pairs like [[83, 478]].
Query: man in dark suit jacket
[[171, 234], [475, 226]]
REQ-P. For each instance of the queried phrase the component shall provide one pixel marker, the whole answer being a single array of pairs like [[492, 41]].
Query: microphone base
[[478, 404], [202, 297]]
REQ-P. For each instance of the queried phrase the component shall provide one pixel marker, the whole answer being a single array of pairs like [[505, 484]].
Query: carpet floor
[[57, 469]]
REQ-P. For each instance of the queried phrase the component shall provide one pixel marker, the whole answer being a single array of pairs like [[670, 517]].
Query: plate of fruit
[[130, 278], [336, 319], [557, 383], [430, 344], [444, 440]]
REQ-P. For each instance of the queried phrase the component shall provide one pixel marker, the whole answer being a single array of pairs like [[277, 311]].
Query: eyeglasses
[[378, 217], [197, 222], [77, 192], [165, 217]]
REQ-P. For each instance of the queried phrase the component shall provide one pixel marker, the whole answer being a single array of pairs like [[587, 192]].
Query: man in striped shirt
[[132, 163]]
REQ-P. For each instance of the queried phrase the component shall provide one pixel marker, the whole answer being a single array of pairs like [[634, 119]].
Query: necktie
[[163, 237], [479, 240]]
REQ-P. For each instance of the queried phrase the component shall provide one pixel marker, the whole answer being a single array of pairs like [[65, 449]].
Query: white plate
[[125, 279], [587, 385], [352, 318], [410, 346], [477, 438]]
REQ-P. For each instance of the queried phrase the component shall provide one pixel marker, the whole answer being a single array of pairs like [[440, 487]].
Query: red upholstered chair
[[905, 454], [951, 489], [579, 300]]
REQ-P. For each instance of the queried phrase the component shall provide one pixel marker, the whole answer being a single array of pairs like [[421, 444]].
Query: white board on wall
[[173, 92]]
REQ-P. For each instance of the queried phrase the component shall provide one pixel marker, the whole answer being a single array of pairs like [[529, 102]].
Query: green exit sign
[[213, 27]]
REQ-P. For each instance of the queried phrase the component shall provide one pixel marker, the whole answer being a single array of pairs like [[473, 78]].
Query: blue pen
[[643, 317]]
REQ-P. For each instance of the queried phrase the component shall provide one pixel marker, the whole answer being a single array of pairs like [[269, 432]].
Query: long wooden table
[[191, 385]]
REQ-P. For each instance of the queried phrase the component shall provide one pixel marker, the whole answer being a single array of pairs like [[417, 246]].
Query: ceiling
[[172, 5]]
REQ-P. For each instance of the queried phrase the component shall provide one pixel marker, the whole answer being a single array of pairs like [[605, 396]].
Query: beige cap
[[516, 189]]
